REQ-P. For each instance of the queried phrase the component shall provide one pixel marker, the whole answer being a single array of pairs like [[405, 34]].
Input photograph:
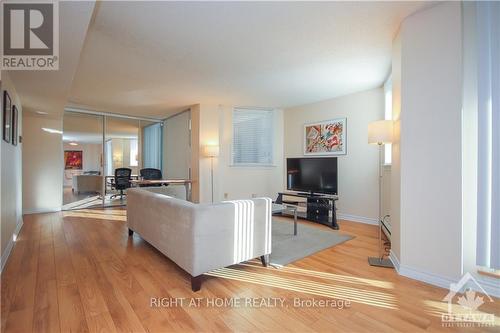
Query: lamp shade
[[380, 132], [211, 151]]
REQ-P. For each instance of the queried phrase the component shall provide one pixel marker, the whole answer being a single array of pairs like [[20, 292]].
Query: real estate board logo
[[30, 33], [463, 308]]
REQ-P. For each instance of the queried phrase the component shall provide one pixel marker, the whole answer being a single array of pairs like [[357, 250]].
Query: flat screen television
[[313, 175]]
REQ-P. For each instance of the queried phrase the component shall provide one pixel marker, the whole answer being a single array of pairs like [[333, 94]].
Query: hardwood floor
[[80, 272]]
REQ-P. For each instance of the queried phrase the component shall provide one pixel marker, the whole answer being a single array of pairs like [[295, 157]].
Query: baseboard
[[394, 259], [41, 210], [10, 245], [491, 287], [430, 278], [356, 218]]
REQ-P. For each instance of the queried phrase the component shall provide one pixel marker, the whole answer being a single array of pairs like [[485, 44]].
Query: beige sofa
[[201, 237], [87, 183]]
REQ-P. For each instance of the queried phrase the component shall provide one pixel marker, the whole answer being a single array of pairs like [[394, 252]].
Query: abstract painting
[[325, 138], [73, 160]]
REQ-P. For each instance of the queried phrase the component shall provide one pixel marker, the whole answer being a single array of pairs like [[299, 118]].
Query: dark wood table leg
[[196, 282], [265, 260]]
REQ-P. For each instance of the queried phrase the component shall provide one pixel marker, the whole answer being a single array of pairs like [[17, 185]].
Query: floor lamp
[[380, 133], [211, 151]]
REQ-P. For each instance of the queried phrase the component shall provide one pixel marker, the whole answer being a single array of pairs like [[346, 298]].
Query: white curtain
[[488, 215], [152, 146]]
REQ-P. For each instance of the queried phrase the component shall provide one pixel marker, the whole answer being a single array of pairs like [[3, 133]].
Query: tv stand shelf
[[318, 208]]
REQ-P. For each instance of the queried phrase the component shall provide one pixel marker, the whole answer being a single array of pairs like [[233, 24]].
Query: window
[[109, 158], [388, 116], [152, 146], [252, 137], [134, 153]]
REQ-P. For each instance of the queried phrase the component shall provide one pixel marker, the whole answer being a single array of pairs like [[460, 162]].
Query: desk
[[186, 182]]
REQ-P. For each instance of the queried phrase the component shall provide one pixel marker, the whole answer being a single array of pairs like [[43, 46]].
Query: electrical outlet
[[226, 195], [254, 195]]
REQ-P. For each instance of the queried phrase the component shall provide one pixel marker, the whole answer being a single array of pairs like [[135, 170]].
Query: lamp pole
[[380, 199], [380, 261], [211, 151], [380, 132], [212, 176]]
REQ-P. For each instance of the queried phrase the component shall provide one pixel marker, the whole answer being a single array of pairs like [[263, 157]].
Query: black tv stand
[[319, 208]]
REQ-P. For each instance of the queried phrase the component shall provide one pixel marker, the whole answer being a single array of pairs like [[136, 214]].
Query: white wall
[[395, 209], [209, 133], [430, 143], [43, 164], [246, 182], [215, 126], [358, 170], [470, 137], [11, 178], [176, 146]]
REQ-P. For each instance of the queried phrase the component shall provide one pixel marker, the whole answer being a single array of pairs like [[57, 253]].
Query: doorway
[[96, 146]]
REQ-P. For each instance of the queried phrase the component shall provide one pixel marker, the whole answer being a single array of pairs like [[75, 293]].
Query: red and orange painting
[[73, 160]]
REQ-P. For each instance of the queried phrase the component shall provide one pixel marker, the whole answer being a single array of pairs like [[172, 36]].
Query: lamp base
[[380, 262]]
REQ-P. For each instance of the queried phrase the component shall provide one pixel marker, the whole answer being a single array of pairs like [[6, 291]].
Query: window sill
[[492, 274], [264, 166]]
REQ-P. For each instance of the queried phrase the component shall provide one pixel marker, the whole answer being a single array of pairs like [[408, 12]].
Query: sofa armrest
[[231, 232]]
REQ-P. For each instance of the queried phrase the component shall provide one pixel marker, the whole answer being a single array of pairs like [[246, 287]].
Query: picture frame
[[73, 160], [14, 125], [6, 116], [326, 138]]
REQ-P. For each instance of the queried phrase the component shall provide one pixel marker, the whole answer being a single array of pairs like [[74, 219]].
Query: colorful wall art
[[73, 160], [325, 138]]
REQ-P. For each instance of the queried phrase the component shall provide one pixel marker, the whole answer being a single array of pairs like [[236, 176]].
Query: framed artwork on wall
[[326, 138], [14, 125], [6, 114], [73, 160]]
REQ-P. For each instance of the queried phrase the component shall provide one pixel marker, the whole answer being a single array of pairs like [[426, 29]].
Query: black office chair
[[151, 174], [121, 181]]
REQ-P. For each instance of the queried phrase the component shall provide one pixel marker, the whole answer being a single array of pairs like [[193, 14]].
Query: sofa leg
[[196, 282], [130, 232], [265, 260]]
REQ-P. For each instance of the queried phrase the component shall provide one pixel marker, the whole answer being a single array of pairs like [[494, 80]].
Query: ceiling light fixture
[[51, 130], [73, 144]]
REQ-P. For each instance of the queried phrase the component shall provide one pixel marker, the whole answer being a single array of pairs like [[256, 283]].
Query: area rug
[[287, 248]]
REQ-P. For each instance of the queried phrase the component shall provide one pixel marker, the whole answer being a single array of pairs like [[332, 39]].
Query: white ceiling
[[47, 91], [156, 58]]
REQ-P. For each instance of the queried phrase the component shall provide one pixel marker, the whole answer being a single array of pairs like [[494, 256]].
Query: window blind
[[252, 137], [152, 147]]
